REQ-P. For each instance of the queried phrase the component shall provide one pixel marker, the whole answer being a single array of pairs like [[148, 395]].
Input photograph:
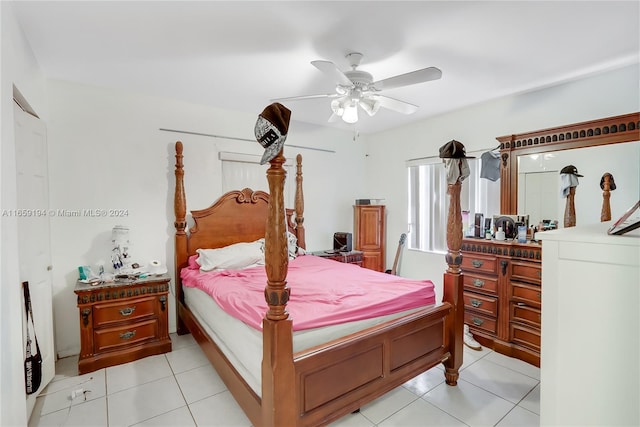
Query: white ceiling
[[239, 55]]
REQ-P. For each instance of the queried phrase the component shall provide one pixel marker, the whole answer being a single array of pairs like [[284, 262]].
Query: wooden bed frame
[[318, 385]]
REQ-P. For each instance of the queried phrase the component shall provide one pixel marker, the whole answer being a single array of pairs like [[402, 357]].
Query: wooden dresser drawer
[[523, 335], [480, 283], [479, 321], [526, 271], [525, 314], [478, 263], [108, 313], [528, 294], [481, 304], [125, 335]]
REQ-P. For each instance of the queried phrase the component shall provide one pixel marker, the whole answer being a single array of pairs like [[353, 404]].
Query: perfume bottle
[[500, 234]]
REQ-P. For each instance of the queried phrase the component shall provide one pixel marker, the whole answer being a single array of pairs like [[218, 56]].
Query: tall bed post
[[299, 204], [453, 288], [180, 209], [278, 375]]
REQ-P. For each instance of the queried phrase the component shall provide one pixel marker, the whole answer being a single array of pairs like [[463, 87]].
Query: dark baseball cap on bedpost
[[271, 130], [454, 150], [570, 169]]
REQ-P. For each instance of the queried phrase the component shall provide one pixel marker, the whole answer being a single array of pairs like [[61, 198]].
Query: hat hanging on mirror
[[454, 150], [571, 170]]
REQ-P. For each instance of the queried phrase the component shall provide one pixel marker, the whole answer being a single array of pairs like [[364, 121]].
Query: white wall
[[18, 67], [607, 94], [107, 152]]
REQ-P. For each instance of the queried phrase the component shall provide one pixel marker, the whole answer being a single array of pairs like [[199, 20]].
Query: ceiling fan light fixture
[[337, 107], [350, 114], [371, 106]]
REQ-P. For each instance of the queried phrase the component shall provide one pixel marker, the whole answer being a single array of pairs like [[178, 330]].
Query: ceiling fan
[[357, 88]]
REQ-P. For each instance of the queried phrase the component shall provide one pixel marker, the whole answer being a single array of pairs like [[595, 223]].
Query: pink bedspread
[[323, 292]]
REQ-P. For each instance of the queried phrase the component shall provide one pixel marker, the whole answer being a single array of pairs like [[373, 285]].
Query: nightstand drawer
[[481, 304], [126, 335], [130, 310], [480, 322], [480, 283], [473, 262]]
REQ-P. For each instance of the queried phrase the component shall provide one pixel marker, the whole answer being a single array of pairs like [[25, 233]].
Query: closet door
[[369, 226], [34, 247]]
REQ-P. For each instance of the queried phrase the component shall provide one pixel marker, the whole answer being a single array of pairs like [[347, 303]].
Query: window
[[429, 202], [244, 170]]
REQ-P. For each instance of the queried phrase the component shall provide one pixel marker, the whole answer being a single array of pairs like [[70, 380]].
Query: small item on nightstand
[[487, 235], [500, 234]]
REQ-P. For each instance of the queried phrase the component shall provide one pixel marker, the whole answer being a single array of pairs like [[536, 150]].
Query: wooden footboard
[[339, 377]]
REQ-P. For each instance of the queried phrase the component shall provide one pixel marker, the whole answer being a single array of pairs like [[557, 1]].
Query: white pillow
[[232, 257], [292, 244]]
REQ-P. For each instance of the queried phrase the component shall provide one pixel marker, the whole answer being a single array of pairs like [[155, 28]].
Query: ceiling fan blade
[[396, 105], [330, 69], [414, 77], [299, 98]]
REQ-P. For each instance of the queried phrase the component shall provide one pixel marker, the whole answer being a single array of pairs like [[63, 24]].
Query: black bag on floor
[[32, 362]]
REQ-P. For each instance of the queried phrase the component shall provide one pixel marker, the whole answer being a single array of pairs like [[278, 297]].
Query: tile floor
[[181, 388]]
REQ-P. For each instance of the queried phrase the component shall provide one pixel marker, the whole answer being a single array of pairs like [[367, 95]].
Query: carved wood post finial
[[570, 209], [179, 199], [454, 229], [605, 213], [299, 204], [276, 250]]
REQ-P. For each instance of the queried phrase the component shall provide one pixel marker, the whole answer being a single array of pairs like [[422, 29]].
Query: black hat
[[454, 150], [570, 169], [271, 130], [612, 184]]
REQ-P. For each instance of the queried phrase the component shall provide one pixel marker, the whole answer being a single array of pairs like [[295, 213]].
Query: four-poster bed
[[302, 384]]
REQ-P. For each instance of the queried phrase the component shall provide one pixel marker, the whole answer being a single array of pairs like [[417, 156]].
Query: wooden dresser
[[122, 321], [370, 235], [503, 296]]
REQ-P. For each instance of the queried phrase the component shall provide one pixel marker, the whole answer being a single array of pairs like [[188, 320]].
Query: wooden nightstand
[[353, 257], [122, 321]]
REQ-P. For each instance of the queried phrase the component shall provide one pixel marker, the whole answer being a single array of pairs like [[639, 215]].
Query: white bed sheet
[[242, 344]]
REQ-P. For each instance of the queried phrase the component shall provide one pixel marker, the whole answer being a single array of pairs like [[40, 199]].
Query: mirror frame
[[609, 130]]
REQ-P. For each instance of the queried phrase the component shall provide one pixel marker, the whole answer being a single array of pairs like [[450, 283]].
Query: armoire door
[[369, 226]]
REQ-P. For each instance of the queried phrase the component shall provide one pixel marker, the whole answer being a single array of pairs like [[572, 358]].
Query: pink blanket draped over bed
[[323, 292]]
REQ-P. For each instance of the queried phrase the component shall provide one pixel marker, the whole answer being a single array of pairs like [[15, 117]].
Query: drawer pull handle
[[539, 274], [85, 316], [127, 311], [477, 263], [540, 295], [128, 335], [476, 303], [478, 283], [477, 322]]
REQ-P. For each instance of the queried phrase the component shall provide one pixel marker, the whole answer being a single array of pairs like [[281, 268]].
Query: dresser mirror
[[531, 164]]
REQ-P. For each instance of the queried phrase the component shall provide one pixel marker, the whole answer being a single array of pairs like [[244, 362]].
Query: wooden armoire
[[369, 227]]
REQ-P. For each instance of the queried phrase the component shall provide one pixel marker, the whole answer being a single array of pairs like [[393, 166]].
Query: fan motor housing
[[359, 78]]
